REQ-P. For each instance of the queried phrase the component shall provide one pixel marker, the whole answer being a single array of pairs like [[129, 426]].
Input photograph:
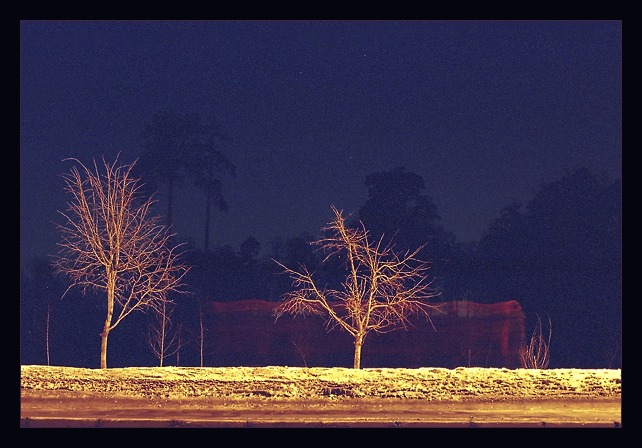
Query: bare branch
[[381, 289], [112, 243], [535, 355]]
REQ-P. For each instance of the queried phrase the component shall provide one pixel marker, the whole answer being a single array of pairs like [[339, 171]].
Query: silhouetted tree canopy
[[397, 206], [168, 141], [250, 249], [398, 209], [578, 219], [203, 162], [179, 146], [561, 257]]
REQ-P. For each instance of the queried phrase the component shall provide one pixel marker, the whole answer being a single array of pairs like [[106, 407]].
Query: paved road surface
[[72, 412]]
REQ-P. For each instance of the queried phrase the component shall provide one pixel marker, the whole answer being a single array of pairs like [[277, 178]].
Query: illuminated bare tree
[[380, 291], [201, 333], [112, 243], [163, 338]]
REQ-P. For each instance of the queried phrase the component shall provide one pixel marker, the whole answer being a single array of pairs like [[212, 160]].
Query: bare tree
[[380, 291], [201, 333], [205, 160], [163, 338], [44, 286], [112, 243]]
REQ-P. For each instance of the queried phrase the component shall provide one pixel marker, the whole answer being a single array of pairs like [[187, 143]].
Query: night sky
[[486, 112]]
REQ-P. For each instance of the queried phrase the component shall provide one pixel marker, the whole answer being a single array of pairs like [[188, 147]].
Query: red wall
[[468, 334]]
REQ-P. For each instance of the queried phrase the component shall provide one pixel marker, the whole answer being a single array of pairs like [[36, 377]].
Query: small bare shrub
[[536, 354]]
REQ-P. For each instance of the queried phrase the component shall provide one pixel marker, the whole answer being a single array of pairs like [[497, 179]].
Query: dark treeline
[[559, 256]]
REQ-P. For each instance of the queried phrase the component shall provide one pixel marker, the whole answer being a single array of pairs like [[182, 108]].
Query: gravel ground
[[298, 383]]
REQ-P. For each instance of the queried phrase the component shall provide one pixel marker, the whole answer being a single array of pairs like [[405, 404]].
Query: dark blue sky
[[486, 112]]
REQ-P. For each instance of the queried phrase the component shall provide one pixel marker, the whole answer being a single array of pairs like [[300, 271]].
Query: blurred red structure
[[465, 334]]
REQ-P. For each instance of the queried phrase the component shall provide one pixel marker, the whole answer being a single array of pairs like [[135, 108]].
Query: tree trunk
[[111, 288], [103, 347], [202, 340], [161, 350], [358, 343], [178, 348], [47, 330]]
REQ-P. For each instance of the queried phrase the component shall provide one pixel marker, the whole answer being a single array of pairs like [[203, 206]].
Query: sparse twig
[[536, 354], [382, 288], [112, 243]]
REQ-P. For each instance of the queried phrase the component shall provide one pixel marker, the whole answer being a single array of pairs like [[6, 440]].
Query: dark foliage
[[559, 256]]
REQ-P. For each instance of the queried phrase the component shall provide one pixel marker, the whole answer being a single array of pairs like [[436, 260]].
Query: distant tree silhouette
[[577, 223], [296, 251], [507, 245], [179, 146], [381, 287], [248, 266], [398, 209], [300, 250], [249, 250], [562, 256], [202, 164], [578, 219], [111, 243], [169, 141]]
